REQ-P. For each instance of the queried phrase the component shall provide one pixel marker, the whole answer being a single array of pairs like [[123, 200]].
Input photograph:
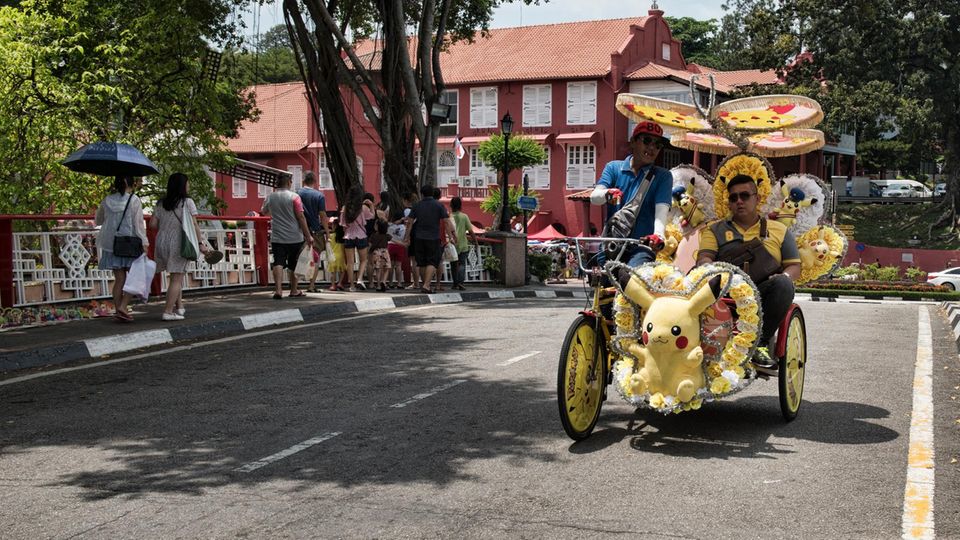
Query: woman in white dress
[[120, 214]]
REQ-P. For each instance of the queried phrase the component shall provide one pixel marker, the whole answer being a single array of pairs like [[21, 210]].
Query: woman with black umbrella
[[120, 215]]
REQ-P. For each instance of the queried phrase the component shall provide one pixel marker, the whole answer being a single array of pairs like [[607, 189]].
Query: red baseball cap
[[647, 128]]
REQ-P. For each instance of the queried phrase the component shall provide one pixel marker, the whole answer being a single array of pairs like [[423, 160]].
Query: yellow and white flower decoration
[[726, 367], [822, 249], [752, 165]]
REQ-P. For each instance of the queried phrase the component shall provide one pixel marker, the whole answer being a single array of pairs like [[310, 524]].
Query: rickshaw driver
[[637, 176], [773, 268]]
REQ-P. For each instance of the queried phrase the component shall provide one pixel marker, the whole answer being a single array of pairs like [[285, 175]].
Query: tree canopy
[[77, 71]]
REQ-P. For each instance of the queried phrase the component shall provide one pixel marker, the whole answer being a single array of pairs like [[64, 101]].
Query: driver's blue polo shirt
[[618, 174]]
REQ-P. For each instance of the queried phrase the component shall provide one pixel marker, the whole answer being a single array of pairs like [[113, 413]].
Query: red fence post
[[261, 253], [7, 295]]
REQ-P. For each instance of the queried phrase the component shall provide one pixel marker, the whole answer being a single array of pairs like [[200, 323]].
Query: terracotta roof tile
[[726, 81], [746, 76], [283, 125], [577, 50]]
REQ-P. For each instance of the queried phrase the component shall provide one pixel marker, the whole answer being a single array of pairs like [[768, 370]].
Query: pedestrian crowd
[[365, 245]]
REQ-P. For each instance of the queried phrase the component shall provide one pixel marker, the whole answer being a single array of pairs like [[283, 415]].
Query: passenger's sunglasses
[[647, 140], [742, 195]]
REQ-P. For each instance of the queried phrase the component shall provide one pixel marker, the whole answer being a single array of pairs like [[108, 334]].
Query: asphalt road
[[441, 421]]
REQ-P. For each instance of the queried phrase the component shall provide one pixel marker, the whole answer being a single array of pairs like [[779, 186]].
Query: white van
[[903, 188]]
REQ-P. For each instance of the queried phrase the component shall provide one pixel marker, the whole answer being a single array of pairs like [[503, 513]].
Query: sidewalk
[[214, 315]]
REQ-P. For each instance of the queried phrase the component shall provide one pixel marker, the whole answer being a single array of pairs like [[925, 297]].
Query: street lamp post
[[506, 127]]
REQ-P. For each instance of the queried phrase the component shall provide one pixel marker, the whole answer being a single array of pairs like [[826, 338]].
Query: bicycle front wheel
[[580, 378]]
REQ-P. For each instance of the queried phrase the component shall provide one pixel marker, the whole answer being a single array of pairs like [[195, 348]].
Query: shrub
[[870, 271], [491, 264], [851, 270], [916, 274], [888, 273], [540, 265]]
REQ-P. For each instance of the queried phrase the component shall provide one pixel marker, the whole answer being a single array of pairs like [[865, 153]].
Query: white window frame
[[454, 107], [539, 174], [446, 173], [537, 105], [581, 103], [581, 166], [665, 51], [263, 191], [479, 169], [324, 179], [296, 171], [483, 107], [360, 170], [238, 188]]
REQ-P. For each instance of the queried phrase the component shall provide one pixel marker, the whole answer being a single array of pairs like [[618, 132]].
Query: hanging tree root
[[949, 215]]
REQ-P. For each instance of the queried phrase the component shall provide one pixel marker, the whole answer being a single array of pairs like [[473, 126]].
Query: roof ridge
[[638, 18]]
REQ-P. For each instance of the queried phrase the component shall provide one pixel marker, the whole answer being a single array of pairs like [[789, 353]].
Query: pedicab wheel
[[580, 378], [792, 366]]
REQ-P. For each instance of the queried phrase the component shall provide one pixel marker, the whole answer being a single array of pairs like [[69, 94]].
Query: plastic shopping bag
[[450, 252], [305, 263], [140, 277]]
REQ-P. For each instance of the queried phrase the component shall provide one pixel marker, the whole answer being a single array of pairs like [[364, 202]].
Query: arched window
[[446, 167]]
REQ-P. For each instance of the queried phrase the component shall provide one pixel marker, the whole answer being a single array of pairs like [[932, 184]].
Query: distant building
[[559, 82]]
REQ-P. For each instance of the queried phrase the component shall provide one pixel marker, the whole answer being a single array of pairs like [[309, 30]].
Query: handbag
[[188, 238], [139, 277], [127, 246]]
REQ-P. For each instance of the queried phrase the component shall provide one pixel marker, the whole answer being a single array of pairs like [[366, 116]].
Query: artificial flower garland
[[747, 164], [837, 247], [727, 369]]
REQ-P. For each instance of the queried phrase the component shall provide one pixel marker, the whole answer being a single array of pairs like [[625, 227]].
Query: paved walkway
[[215, 315]]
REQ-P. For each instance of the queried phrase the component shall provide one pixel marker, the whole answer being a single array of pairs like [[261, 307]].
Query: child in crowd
[[337, 268], [398, 252], [381, 257]]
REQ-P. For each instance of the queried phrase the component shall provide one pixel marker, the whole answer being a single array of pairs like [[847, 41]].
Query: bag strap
[[124, 212], [645, 183]]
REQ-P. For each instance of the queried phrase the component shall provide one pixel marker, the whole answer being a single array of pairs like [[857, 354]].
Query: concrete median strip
[[45, 354], [952, 311]]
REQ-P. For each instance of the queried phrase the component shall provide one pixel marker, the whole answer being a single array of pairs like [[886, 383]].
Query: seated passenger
[[763, 249]]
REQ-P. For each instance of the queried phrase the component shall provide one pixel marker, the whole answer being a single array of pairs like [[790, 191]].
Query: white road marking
[[918, 493], [427, 394], [445, 298], [501, 294], [250, 467], [546, 294], [127, 342], [374, 304], [271, 318], [206, 344], [516, 359]]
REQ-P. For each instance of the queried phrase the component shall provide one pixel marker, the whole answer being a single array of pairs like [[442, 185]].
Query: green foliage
[[888, 273], [915, 273], [491, 205], [491, 264], [79, 71], [851, 270], [272, 61], [523, 152], [696, 38], [540, 265]]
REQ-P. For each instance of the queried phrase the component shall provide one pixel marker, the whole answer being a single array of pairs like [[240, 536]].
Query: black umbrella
[[110, 159]]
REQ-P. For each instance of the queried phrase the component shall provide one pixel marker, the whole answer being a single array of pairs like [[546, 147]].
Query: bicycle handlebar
[[609, 245]]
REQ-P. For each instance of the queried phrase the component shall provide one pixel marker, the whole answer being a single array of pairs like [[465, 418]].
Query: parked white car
[[949, 278], [940, 190], [900, 190]]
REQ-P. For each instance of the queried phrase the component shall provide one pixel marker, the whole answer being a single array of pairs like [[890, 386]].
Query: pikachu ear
[[785, 190], [705, 297], [635, 290]]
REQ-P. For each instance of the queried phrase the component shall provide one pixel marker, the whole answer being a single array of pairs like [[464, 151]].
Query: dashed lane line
[[918, 494], [516, 359], [428, 393], [260, 463]]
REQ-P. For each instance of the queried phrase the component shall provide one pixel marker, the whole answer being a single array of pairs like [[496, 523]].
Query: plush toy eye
[[649, 327], [676, 330]]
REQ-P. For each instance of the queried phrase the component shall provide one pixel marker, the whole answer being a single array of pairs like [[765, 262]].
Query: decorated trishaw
[[679, 335]]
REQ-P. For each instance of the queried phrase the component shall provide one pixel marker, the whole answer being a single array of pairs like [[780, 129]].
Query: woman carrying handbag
[[175, 213], [122, 239]]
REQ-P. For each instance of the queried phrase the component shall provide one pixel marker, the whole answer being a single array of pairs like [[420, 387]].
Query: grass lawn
[[892, 225]]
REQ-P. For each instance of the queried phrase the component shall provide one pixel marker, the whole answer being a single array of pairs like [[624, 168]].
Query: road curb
[[121, 343], [952, 311]]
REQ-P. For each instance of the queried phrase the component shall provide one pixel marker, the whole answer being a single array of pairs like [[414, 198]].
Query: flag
[[458, 149]]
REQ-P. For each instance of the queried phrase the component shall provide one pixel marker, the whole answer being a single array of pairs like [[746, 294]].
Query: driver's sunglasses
[[742, 195], [647, 140]]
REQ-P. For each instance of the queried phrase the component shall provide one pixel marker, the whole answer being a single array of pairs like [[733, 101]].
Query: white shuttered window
[[324, 180], [481, 174], [537, 105], [239, 188], [296, 171], [581, 103], [581, 166], [539, 175], [483, 107]]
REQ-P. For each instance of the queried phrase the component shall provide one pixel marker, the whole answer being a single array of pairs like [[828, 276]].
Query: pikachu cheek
[[646, 338], [682, 342]]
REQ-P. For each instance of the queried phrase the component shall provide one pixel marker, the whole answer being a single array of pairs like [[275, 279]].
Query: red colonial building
[[559, 82]]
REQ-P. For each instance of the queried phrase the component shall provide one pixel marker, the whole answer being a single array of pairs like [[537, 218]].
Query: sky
[[554, 11]]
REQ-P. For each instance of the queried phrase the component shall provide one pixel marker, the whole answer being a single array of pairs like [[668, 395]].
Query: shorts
[[286, 255], [398, 253], [355, 243], [381, 259], [427, 252]]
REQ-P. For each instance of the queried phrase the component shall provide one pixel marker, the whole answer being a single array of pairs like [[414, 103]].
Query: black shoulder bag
[[127, 246], [621, 223]]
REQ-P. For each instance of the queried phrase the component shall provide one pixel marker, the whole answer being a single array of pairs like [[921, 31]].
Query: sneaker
[[172, 317], [762, 358], [361, 286], [182, 311]]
